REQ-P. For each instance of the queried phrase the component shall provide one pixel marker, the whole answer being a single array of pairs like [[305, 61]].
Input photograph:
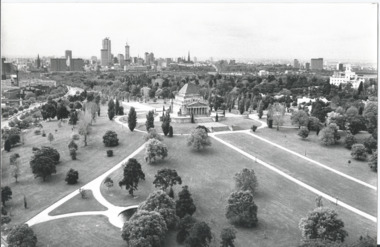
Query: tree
[[73, 145], [373, 161], [48, 111], [246, 180], [199, 235], [166, 123], [166, 178], [277, 113], [110, 139], [84, 127], [185, 204], [149, 120], [155, 149], [303, 132], [145, 228], [350, 140], [72, 176], [108, 182], [160, 202], [152, 134], [12, 134], [184, 227], [198, 139], [370, 144], [73, 117], [62, 111], [192, 118], [117, 106], [241, 209], [6, 194], [329, 135], [352, 112], [323, 223], [300, 118], [132, 119], [73, 153], [111, 109], [42, 167], [170, 131], [260, 109], [356, 124], [50, 137], [22, 236], [370, 115], [358, 152], [48, 152], [132, 175], [228, 236], [15, 171], [7, 145]]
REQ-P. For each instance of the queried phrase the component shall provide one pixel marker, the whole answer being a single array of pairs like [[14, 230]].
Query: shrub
[[350, 140], [37, 132], [254, 128], [109, 153], [303, 132], [370, 144], [73, 145], [358, 152], [73, 153], [110, 139], [72, 176], [373, 161], [75, 137], [22, 235], [152, 134]]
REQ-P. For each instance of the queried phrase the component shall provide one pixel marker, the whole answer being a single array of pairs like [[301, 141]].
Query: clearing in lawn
[[91, 162]]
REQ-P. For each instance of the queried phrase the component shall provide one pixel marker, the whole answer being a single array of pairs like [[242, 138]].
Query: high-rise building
[[339, 67], [38, 61], [66, 64], [127, 55], [316, 64], [105, 52], [147, 58], [296, 64], [68, 54], [307, 66], [188, 57], [120, 58], [151, 58]]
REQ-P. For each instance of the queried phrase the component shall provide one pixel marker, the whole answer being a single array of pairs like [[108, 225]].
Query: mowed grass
[[78, 204], [83, 231], [209, 175], [91, 162], [240, 122], [352, 193], [335, 156]]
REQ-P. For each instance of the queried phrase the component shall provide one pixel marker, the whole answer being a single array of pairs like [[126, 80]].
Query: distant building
[[105, 53], [339, 67], [188, 101], [307, 66], [127, 55], [66, 64], [94, 59], [316, 64], [7, 69], [263, 73], [151, 58], [146, 58], [296, 64], [38, 61], [345, 77], [120, 57]]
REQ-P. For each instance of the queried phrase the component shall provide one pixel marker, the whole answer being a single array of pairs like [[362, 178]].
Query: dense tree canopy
[[185, 204], [132, 175], [241, 209], [198, 139], [22, 236], [154, 149], [246, 180]]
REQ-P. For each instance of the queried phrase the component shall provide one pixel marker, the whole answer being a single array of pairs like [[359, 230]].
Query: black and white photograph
[[194, 124]]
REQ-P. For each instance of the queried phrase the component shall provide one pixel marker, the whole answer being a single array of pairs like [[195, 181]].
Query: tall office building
[[296, 64], [151, 58], [127, 55], [105, 52], [66, 64], [120, 58], [146, 58], [307, 66], [339, 67], [316, 64]]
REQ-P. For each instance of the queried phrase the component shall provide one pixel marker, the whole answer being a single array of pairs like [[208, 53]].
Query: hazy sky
[[219, 30]]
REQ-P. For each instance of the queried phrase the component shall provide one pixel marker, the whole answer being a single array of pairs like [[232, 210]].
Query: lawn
[[356, 195], [209, 175], [240, 123], [336, 156], [91, 162], [83, 231], [78, 204]]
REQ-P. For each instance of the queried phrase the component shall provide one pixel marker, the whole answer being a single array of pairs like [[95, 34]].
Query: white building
[[345, 77], [263, 73]]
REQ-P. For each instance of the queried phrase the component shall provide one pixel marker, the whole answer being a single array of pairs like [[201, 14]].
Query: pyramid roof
[[189, 88]]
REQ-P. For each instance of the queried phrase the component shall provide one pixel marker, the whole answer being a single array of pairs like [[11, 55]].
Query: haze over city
[[239, 31]]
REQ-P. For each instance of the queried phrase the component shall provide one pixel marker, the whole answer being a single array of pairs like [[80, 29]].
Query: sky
[[343, 31]]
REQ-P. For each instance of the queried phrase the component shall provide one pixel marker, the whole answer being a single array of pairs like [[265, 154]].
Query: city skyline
[[240, 31]]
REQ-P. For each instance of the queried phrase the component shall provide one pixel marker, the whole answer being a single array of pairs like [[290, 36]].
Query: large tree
[[160, 202], [84, 127], [246, 180], [300, 118], [155, 149], [22, 236], [132, 175], [152, 134], [12, 135], [149, 120], [184, 227], [373, 161], [370, 115], [329, 135], [132, 119], [323, 223], [111, 109], [166, 123], [241, 209], [145, 229], [42, 166], [277, 112], [167, 178], [200, 235], [185, 204], [228, 236], [6, 194], [198, 139], [110, 139]]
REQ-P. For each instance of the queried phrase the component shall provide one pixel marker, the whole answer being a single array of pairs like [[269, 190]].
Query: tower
[[127, 56], [188, 56], [105, 52], [38, 61]]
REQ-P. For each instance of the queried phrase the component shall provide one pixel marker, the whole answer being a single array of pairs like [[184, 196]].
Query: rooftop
[[189, 88]]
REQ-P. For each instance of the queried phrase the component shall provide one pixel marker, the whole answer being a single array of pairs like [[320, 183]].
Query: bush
[[73, 153], [73, 145], [37, 132], [350, 140], [373, 161], [75, 137], [110, 139], [109, 153], [43, 133], [152, 134], [22, 235], [72, 176], [254, 128], [358, 152], [370, 144], [303, 132]]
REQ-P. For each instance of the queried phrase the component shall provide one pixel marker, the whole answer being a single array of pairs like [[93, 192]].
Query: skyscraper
[[38, 61], [188, 56], [120, 58], [316, 64], [296, 64], [147, 62], [127, 55], [105, 52]]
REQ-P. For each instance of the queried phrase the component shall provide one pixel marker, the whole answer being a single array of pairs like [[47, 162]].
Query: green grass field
[[91, 162]]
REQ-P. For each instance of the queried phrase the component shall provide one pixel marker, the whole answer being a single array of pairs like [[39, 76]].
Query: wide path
[[336, 189]]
